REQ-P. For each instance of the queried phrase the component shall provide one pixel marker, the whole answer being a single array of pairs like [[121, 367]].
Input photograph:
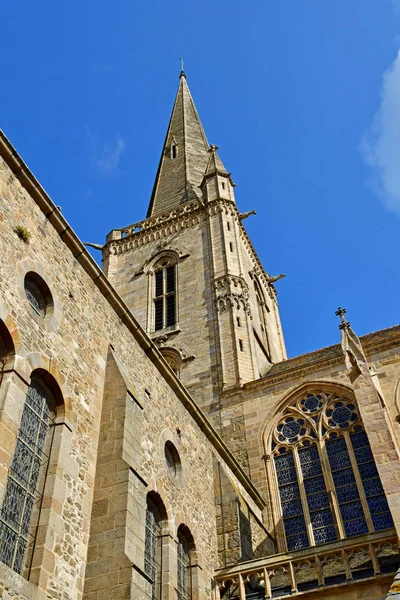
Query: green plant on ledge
[[23, 233]]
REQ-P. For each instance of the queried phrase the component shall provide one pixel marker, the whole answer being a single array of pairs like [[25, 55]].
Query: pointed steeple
[[214, 165], [184, 157]]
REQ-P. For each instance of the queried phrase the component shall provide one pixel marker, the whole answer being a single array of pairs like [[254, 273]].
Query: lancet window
[[327, 481], [184, 571], [26, 477], [153, 545], [164, 298]]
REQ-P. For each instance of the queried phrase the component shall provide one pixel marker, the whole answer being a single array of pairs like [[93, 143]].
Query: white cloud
[[105, 156], [381, 145]]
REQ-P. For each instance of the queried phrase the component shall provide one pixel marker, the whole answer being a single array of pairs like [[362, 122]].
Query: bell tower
[[189, 272]]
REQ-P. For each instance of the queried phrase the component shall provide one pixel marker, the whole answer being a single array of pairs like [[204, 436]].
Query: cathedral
[[156, 443]]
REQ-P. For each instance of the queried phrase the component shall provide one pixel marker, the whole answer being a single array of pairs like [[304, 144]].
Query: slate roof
[[180, 171], [369, 342]]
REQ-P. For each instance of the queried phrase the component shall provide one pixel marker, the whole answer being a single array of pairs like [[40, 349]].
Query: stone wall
[[118, 409]]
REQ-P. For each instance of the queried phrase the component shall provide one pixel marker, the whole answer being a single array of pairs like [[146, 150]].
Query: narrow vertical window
[[238, 321], [231, 246], [174, 151], [228, 226], [184, 571], [292, 509], [241, 345], [165, 295], [153, 548], [26, 477]]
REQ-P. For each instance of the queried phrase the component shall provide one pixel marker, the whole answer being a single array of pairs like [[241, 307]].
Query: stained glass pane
[[343, 477], [346, 489], [368, 470], [292, 509], [317, 497], [321, 518], [289, 492], [357, 527], [21, 493], [325, 535], [372, 487], [298, 541], [382, 521], [377, 503], [286, 476], [347, 493]]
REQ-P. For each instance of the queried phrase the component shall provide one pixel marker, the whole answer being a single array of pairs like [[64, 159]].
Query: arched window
[[155, 514], [328, 484], [26, 477], [164, 297], [184, 571]]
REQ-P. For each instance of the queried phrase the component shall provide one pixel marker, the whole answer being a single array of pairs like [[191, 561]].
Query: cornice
[[326, 358], [78, 250]]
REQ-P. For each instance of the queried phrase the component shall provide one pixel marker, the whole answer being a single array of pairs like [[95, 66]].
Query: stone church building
[[156, 443]]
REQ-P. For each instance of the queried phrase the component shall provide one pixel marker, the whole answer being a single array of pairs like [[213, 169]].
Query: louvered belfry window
[[165, 295], [26, 478], [326, 429]]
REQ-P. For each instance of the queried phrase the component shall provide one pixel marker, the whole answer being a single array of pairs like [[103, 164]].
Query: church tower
[[189, 272]]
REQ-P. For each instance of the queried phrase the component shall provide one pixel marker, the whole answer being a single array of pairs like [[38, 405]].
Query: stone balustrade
[[310, 569]]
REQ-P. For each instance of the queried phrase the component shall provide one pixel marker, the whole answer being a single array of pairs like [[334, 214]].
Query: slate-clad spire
[[184, 157]]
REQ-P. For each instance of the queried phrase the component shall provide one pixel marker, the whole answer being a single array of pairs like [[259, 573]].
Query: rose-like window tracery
[[326, 429]]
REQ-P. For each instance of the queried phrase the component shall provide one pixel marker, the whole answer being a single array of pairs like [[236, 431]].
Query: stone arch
[[173, 357], [10, 329], [47, 368]]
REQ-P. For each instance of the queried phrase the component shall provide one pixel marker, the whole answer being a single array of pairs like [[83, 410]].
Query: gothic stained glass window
[[324, 428], [22, 492], [164, 294]]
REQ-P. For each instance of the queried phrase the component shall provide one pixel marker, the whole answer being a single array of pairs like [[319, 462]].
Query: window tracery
[[327, 481]]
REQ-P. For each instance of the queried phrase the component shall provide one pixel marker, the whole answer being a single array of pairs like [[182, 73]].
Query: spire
[[214, 165], [184, 157]]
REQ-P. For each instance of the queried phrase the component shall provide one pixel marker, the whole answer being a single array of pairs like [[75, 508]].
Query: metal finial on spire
[[340, 313], [182, 65]]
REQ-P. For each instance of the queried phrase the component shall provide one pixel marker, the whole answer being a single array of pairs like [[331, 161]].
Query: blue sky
[[302, 97]]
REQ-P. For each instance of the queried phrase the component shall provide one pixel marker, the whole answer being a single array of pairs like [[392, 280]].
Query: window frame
[[163, 265], [22, 564], [323, 434]]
